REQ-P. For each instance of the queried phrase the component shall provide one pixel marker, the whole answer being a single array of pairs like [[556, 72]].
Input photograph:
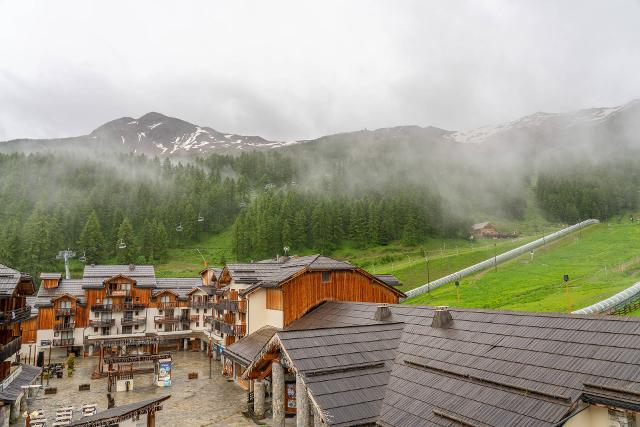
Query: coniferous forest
[[131, 209]]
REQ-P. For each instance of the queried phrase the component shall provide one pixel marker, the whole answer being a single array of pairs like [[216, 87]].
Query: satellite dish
[[122, 244], [179, 228]]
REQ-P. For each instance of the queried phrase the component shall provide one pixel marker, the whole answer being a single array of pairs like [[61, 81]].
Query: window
[[205, 311], [108, 301], [95, 329], [96, 315], [55, 334], [136, 313], [326, 277], [197, 310], [164, 299], [197, 324], [136, 327], [137, 299]]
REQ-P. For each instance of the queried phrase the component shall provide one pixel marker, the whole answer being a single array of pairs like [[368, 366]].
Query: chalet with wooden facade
[[15, 287], [348, 364], [119, 301], [269, 295]]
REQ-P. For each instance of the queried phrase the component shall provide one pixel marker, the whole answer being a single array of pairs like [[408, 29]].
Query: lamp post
[[426, 259]]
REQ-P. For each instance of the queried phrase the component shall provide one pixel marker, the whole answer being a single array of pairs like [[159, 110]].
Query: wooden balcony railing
[[133, 306], [201, 304], [64, 311], [233, 330], [194, 317], [131, 322], [242, 306], [166, 319], [62, 342], [102, 323], [64, 326], [106, 307], [9, 349], [166, 305], [14, 316]]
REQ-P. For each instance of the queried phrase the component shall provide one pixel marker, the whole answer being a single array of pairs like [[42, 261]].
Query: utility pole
[[426, 259]]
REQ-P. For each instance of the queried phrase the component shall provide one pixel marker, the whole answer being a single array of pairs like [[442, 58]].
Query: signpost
[[164, 373]]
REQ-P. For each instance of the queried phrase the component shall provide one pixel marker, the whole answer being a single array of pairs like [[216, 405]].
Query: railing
[[64, 326], [201, 304], [165, 305], [194, 317], [14, 316], [233, 330], [63, 342], [166, 319], [64, 311], [132, 322], [10, 348], [229, 318], [106, 307], [242, 306], [133, 306], [102, 323]]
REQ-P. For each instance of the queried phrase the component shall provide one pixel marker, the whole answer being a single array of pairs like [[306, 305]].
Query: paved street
[[201, 402]]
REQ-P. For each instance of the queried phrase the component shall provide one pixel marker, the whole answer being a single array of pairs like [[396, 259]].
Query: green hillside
[[600, 261]]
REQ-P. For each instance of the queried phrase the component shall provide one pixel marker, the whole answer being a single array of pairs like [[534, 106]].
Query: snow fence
[[513, 253], [613, 303]]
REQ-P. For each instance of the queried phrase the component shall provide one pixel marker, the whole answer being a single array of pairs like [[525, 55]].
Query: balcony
[[9, 349], [166, 319], [102, 323], [106, 307], [242, 306], [63, 342], [64, 326], [132, 322], [14, 316], [218, 305], [64, 312], [233, 330], [201, 304], [194, 317], [133, 306], [166, 305]]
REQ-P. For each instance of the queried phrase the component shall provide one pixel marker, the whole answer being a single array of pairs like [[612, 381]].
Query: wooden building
[[275, 293], [119, 301], [348, 364], [15, 287]]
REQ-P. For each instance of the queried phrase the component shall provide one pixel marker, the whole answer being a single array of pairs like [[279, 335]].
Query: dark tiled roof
[[9, 279], [389, 279], [45, 276], [179, 286], [106, 271], [249, 347], [494, 367], [118, 413], [345, 369], [72, 287], [14, 389]]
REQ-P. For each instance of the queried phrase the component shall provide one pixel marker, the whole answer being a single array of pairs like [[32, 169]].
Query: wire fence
[[493, 261]]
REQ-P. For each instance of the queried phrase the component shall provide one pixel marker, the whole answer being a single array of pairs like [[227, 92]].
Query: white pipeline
[[498, 259]]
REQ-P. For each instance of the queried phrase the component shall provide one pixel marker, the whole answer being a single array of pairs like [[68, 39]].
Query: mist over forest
[[366, 188]]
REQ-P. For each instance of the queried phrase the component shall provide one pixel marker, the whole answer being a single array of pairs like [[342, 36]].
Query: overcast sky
[[300, 69]]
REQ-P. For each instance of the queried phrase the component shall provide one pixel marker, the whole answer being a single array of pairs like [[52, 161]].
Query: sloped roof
[[50, 276], [179, 286], [11, 278], [26, 376], [493, 367], [107, 271], [345, 369], [248, 348], [72, 287], [389, 279], [120, 413]]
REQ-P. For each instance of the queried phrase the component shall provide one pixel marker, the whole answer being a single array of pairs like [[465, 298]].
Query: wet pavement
[[198, 402]]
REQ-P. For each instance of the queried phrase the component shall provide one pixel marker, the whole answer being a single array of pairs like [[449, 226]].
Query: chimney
[[132, 267], [441, 318], [382, 312]]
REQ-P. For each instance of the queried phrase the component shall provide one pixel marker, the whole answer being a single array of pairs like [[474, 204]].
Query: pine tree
[[91, 241]]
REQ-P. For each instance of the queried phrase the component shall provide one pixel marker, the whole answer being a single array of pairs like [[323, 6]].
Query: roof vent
[[382, 312], [442, 318], [132, 267]]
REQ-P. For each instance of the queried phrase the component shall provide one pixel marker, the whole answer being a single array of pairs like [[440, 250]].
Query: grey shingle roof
[[493, 367], [9, 279], [389, 279], [118, 413], [106, 271], [345, 369], [14, 389], [65, 286], [45, 276], [249, 347], [179, 286]]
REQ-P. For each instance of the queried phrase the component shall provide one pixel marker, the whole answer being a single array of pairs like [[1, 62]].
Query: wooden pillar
[[277, 383], [151, 419], [303, 412]]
